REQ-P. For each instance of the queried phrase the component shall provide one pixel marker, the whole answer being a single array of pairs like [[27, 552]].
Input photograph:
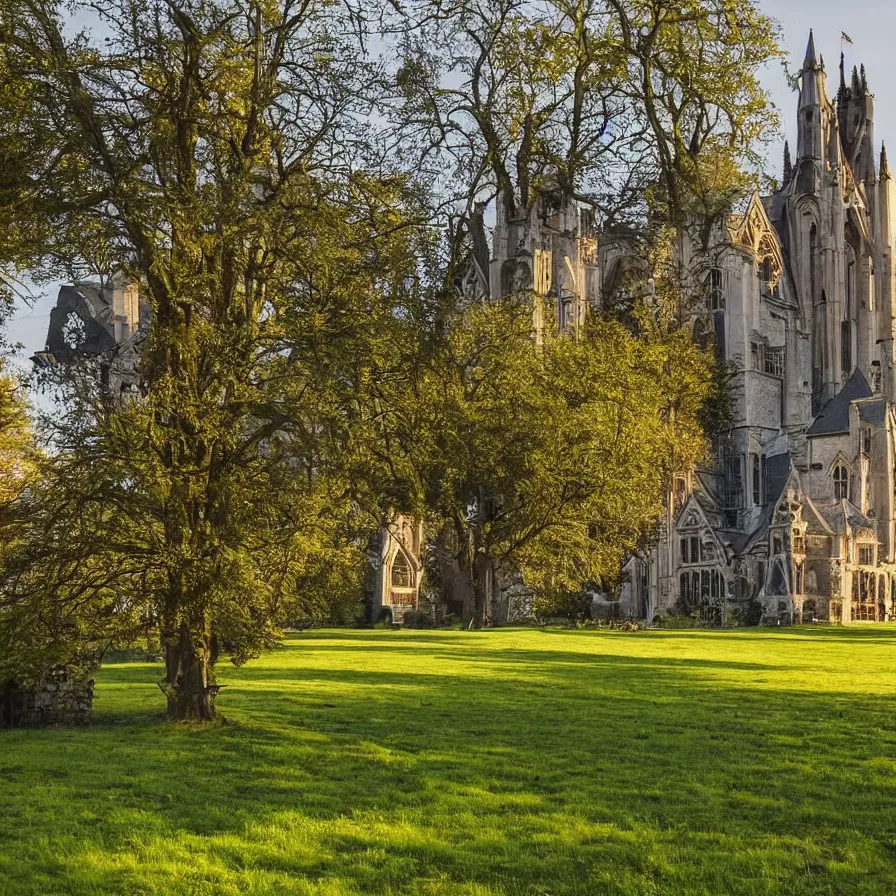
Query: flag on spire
[[845, 37]]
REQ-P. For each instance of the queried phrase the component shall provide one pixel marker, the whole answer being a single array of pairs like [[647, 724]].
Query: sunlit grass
[[502, 762]]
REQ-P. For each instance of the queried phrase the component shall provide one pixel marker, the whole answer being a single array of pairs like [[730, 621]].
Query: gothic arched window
[[846, 347], [715, 291], [401, 572], [841, 482]]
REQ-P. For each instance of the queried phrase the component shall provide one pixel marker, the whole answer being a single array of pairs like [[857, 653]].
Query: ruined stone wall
[[60, 700]]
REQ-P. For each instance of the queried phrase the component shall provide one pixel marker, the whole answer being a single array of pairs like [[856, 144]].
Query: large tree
[[635, 106], [550, 462], [651, 114], [220, 155]]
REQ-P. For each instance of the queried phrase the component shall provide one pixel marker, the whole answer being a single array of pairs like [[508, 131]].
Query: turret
[[855, 113], [810, 142], [788, 165]]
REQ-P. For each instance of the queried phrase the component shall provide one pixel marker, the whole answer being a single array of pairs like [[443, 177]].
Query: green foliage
[[647, 109], [561, 603], [272, 190], [550, 459]]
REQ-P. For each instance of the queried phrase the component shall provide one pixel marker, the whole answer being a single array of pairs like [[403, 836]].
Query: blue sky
[[870, 23]]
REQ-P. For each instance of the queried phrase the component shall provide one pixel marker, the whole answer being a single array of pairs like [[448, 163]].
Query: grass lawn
[[502, 762]]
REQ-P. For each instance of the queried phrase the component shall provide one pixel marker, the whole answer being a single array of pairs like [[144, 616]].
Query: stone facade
[[396, 561]]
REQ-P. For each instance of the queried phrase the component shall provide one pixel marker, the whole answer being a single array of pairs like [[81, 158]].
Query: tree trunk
[[191, 696], [482, 591]]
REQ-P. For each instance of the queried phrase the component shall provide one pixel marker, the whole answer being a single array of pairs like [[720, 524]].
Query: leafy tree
[[20, 652], [550, 462], [220, 155], [653, 115]]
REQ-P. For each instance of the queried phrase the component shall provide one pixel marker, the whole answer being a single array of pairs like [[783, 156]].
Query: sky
[[871, 24]]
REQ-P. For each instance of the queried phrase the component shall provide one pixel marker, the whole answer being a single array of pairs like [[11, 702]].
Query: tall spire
[[884, 167], [812, 107], [788, 164], [810, 63]]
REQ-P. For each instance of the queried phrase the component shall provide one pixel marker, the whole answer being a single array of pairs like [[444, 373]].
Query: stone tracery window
[[691, 550]]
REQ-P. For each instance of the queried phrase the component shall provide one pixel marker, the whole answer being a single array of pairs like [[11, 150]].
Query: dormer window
[[841, 482], [866, 555]]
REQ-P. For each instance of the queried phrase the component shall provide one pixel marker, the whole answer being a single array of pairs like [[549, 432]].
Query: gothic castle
[[796, 521], [795, 517]]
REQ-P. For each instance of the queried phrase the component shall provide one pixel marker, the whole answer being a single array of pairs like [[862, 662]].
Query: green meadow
[[544, 762]]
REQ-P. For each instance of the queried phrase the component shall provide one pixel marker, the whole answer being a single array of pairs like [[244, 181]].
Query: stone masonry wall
[[59, 701]]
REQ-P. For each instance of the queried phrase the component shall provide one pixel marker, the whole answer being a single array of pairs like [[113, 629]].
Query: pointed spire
[[856, 85], [810, 63], [788, 164], [864, 80], [884, 167], [843, 90]]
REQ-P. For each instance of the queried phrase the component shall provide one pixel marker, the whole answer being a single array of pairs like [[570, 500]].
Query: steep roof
[[777, 474], [90, 303], [834, 416]]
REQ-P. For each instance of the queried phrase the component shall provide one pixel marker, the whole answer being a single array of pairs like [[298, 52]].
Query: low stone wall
[[60, 700]]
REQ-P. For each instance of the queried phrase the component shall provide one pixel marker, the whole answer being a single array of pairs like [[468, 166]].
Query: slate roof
[[834, 416], [844, 515], [93, 306], [874, 412]]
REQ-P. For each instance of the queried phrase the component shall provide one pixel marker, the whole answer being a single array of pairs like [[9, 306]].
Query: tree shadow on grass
[[605, 774]]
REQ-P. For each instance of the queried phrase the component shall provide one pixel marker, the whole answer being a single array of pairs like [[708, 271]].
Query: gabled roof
[[778, 471], [843, 516], [834, 416], [749, 226]]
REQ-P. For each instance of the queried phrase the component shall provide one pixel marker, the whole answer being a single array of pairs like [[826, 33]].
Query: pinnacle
[[884, 166]]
